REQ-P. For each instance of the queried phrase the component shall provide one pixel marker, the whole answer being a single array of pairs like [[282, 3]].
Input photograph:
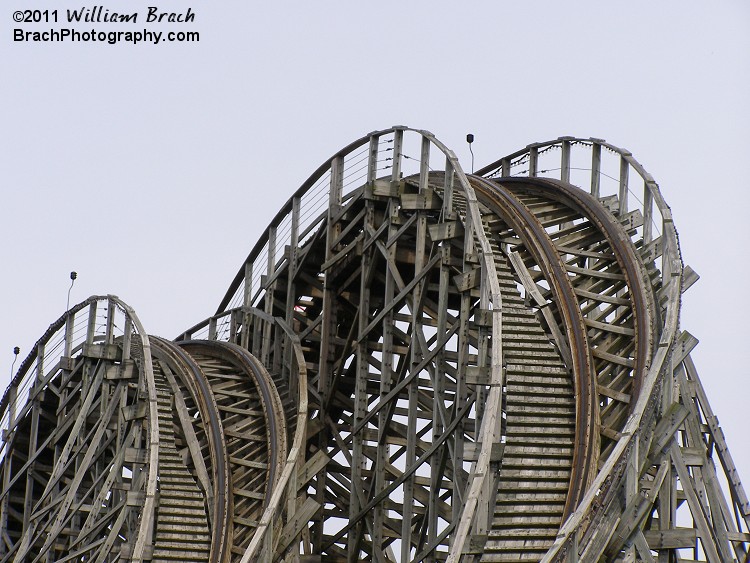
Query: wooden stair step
[[531, 497], [520, 357], [529, 521], [543, 385], [546, 355], [536, 509], [535, 474], [191, 522], [537, 337], [528, 485], [543, 441], [525, 431], [518, 321], [535, 369], [561, 463], [536, 452], [177, 487], [173, 537], [531, 346], [512, 556], [177, 510], [531, 537], [522, 390], [535, 419], [179, 553]]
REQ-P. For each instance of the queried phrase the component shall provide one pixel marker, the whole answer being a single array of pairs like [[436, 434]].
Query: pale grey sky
[[152, 169]]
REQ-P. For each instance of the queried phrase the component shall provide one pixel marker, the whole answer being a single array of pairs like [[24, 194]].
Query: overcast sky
[[152, 169]]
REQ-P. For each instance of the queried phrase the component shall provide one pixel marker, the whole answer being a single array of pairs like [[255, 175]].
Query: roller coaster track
[[412, 364]]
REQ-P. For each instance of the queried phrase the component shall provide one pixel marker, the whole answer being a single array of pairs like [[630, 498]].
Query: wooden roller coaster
[[412, 364]]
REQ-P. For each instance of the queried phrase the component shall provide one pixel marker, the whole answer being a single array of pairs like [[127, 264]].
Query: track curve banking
[[412, 364]]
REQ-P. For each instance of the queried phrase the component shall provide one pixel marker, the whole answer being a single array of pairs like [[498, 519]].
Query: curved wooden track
[[412, 364]]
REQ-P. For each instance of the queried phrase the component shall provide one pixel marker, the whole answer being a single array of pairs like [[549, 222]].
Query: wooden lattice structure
[[412, 364]]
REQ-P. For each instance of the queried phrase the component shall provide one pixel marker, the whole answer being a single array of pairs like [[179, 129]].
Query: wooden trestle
[[413, 364]]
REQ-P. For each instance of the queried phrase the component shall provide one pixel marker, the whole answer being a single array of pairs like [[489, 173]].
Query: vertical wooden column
[[449, 214], [648, 211], [505, 167], [289, 374], [470, 261], [247, 297], [67, 365], [483, 514], [333, 229], [667, 268], [270, 286], [631, 487], [596, 166], [69, 324], [565, 161], [109, 335], [624, 173], [91, 327], [362, 355], [439, 458], [327, 329], [8, 439], [35, 396], [126, 365], [416, 353], [533, 159], [387, 371], [247, 290], [667, 501]]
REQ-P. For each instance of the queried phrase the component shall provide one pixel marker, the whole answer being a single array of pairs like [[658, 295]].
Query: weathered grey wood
[[533, 155], [624, 175], [596, 163], [444, 422], [565, 160]]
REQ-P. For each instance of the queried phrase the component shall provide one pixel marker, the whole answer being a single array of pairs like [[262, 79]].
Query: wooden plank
[[613, 328], [596, 161], [468, 280], [109, 352], [709, 540], [472, 450], [427, 200], [631, 220], [446, 230], [384, 188], [311, 468], [670, 539], [297, 523], [689, 277], [138, 410]]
